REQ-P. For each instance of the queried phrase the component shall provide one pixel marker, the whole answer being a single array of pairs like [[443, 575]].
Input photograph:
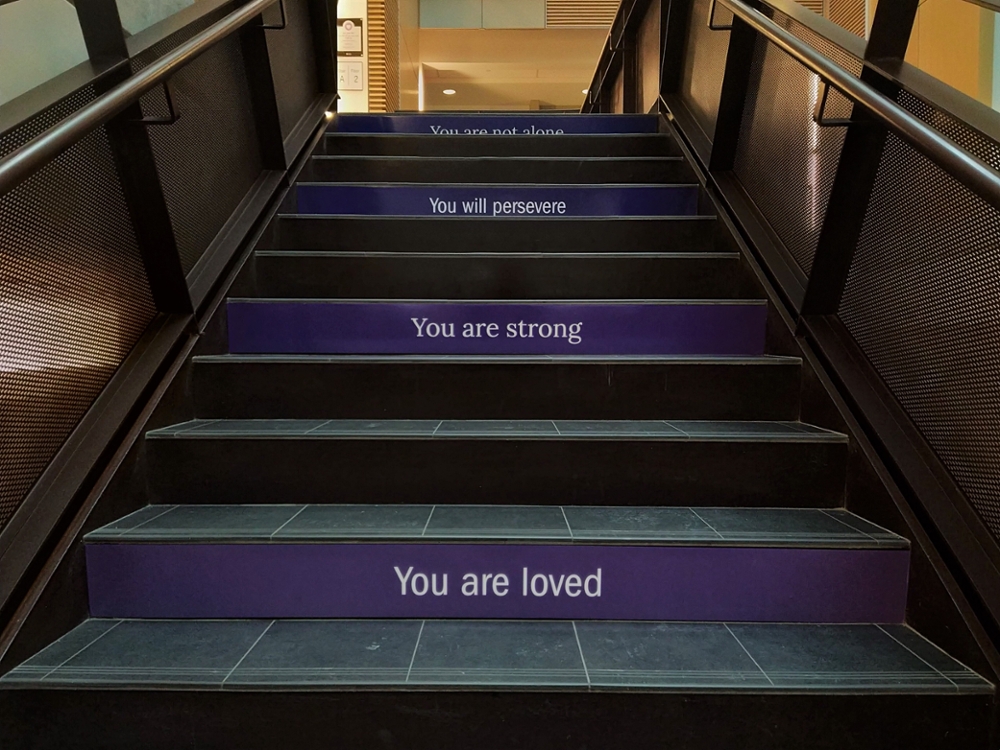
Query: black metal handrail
[[35, 154], [976, 174]]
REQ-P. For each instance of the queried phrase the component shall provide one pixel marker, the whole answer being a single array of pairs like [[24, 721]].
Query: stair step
[[459, 235], [454, 276], [427, 685], [547, 562], [445, 125], [386, 144], [498, 169], [321, 326], [262, 386], [538, 202], [784, 464], [800, 528], [492, 655]]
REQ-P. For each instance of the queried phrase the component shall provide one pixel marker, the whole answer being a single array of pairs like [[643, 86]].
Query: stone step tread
[[498, 158], [500, 359], [673, 302], [474, 255], [491, 655], [503, 429], [662, 526]]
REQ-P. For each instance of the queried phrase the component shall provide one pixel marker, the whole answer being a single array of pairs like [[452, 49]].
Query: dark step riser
[[459, 719], [591, 145], [540, 472], [543, 127], [494, 235], [420, 390], [500, 277], [538, 171], [330, 327], [538, 202], [496, 581]]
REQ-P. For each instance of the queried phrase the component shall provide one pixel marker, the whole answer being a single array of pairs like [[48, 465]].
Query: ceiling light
[[449, 92], [586, 91]]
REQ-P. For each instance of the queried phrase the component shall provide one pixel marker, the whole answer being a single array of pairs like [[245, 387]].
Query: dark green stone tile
[[784, 526], [364, 428], [864, 526], [174, 652], [330, 652], [491, 521], [834, 657], [58, 653], [964, 678], [644, 523], [666, 655], [361, 521], [177, 429], [131, 521], [781, 431], [621, 429], [497, 428], [217, 522], [255, 428], [489, 653]]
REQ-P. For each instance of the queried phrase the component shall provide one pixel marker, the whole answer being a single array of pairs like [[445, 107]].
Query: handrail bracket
[[172, 114]]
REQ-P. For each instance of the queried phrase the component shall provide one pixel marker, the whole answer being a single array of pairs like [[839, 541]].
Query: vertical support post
[[323, 18], [630, 73], [732, 100], [857, 169], [136, 163], [676, 15], [263, 96]]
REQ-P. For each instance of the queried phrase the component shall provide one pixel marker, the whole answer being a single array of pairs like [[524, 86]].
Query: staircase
[[496, 454]]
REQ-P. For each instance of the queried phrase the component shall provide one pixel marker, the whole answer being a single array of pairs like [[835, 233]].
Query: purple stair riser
[[319, 327], [491, 201], [216, 580], [520, 125]]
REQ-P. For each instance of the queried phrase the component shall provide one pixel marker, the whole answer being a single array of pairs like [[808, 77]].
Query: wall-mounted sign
[[350, 76], [350, 37]]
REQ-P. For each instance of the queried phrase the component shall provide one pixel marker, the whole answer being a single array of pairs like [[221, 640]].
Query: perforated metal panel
[[216, 122], [923, 302], [705, 64], [73, 298], [785, 161]]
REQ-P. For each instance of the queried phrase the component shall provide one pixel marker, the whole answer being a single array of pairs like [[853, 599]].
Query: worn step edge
[[608, 525]]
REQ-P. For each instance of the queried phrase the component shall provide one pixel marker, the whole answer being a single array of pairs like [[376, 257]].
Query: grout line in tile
[[568, 527], [672, 426], [200, 423], [415, 647], [294, 516], [745, 651], [586, 672], [710, 526], [844, 523], [73, 656], [252, 647], [318, 427], [942, 674], [428, 523], [148, 520]]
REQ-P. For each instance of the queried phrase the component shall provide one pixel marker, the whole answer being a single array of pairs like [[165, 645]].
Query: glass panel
[[451, 14], [953, 41], [39, 39], [853, 15], [513, 14], [138, 15]]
